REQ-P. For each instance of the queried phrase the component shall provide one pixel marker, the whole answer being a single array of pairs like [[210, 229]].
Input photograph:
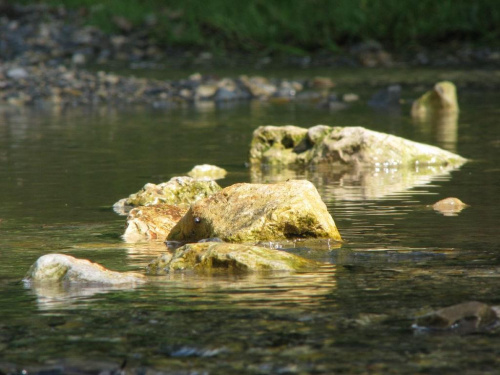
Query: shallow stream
[[61, 171]]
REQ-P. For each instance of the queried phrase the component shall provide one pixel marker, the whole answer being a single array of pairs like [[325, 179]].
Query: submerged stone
[[386, 98], [207, 172], [441, 99], [152, 222], [464, 317], [342, 147], [68, 269], [253, 212], [449, 206], [212, 256], [177, 191]]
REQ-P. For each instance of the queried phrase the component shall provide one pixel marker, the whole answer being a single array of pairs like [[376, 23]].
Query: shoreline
[[50, 57]]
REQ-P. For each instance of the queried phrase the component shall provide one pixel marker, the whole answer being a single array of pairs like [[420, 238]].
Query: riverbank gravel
[[48, 56]]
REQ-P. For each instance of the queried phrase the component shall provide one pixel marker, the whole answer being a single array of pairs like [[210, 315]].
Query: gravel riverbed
[[48, 56]]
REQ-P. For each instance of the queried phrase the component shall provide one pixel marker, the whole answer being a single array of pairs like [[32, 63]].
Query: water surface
[[61, 171]]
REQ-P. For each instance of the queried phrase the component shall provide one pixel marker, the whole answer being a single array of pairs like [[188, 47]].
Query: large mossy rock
[[152, 222], [213, 256], [441, 100], [67, 269], [342, 147], [253, 212], [177, 191]]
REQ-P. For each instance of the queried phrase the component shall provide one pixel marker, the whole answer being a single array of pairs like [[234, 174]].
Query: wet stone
[[449, 206], [467, 317]]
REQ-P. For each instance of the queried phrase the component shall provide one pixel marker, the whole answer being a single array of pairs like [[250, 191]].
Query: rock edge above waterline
[[68, 269], [254, 212], [342, 147], [212, 256]]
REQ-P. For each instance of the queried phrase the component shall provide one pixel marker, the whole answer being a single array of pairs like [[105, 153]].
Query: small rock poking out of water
[[440, 100], [207, 172], [67, 269], [463, 318], [217, 256], [449, 206]]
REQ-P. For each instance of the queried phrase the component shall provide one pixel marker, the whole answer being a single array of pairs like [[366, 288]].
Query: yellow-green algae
[[255, 212], [343, 147], [211, 256], [181, 190], [207, 172], [440, 100]]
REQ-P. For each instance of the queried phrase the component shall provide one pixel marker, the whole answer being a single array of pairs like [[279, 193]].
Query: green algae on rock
[[212, 256], [177, 191], [68, 269], [343, 148], [152, 222], [440, 100], [254, 212]]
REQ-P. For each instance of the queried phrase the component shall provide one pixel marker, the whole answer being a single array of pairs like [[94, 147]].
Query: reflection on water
[[274, 290], [254, 290], [443, 126], [358, 185], [51, 296]]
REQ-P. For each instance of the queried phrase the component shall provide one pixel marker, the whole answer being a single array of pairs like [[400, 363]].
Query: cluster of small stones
[[43, 50], [42, 85]]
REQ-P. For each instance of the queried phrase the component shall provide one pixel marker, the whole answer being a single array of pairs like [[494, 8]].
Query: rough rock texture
[[342, 147], [211, 256], [177, 191], [207, 172], [152, 222], [466, 317], [441, 99], [65, 268], [449, 206], [254, 212]]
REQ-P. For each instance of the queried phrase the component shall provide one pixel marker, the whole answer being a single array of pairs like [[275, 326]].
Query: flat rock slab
[[212, 256], [254, 212], [182, 190], [152, 222], [342, 147], [65, 268]]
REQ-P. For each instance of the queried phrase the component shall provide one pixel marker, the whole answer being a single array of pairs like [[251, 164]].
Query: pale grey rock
[[67, 269]]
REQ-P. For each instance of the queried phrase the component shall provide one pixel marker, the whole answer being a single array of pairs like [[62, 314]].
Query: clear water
[[60, 172]]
